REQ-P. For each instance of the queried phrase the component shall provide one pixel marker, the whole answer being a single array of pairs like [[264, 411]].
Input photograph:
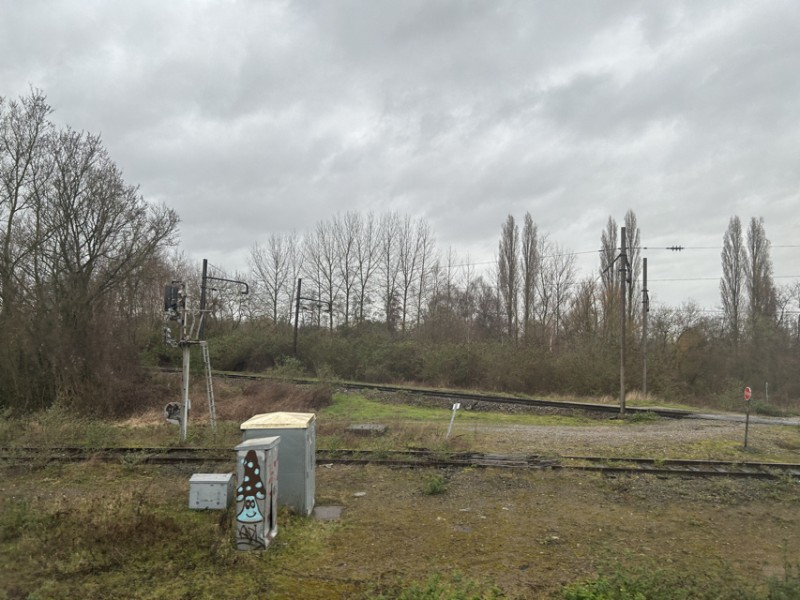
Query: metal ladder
[[212, 409]]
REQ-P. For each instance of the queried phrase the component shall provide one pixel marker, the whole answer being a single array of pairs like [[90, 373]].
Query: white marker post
[[747, 394], [456, 406]]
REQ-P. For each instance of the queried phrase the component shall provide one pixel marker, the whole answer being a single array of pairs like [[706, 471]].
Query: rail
[[421, 458]]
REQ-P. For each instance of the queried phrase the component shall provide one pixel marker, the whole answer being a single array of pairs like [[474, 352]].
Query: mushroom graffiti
[[250, 496]]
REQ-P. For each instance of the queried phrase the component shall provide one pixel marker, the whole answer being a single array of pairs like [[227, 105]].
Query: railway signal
[[191, 332]]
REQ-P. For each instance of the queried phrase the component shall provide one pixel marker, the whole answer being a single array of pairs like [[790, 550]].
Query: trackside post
[[747, 394]]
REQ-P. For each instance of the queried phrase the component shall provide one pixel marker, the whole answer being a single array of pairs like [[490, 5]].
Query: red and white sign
[[747, 393]]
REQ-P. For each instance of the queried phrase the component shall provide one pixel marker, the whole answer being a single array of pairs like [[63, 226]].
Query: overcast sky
[[256, 117]]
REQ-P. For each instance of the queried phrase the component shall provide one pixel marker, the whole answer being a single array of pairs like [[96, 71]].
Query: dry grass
[[269, 396], [235, 401], [100, 530], [531, 533]]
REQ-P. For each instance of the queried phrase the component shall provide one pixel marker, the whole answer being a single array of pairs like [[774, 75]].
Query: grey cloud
[[254, 117]]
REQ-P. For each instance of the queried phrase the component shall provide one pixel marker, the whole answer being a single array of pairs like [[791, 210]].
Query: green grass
[[357, 408], [439, 587], [111, 533], [106, 531], [653, 582], [434, 485], [57, 427], [650, 581]]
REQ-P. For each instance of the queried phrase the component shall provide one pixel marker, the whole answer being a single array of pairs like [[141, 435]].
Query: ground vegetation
[[112, 530]]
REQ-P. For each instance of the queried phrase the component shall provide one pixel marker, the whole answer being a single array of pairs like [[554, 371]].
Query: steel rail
[[673, 413], [422, 458], [158, 455]]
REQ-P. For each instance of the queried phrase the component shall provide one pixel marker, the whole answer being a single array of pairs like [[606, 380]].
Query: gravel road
[[696, 438]]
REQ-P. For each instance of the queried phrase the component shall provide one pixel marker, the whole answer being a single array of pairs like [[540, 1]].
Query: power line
[[710, 247], [718, 278], [718, 311], [674, 248]]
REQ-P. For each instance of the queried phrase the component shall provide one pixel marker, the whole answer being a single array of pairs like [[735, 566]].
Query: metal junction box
[[297, 455], [210, 491], [257, 494]]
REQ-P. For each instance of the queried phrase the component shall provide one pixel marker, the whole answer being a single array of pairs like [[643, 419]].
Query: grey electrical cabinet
[[257, 494], [296, 455], [210, 491]]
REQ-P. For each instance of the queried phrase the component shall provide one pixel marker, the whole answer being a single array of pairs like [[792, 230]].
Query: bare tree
[[347, 230], [103, 233], [732, 283], [427, 251], [82, 257], [543, 309], [390, 233], [469, 298], [488, 319], [271, 269], [758, 273], [449, 275], [583, 319], [609, 276], [408, 254], [102, 228], [508, 273], [634, 252], [321, 268], [367, 245], [531, 263], [225, 301], [440, 312], [556, 280], [24, 133], [561, 263]]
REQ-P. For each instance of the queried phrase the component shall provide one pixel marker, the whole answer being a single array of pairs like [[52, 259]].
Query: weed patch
[[439, 587], [650, 582], [787, 587], [435, 485]]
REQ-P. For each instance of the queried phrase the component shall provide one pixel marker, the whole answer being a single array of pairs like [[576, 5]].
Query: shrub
[[435, 485]]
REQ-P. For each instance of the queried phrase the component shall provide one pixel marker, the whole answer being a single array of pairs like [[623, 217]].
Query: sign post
[[747, 394], [456, 406]]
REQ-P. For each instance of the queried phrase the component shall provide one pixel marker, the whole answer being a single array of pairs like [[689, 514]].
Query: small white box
[[210, 491]]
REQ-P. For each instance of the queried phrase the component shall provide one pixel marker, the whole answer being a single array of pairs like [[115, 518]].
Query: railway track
[[418, 458], [159, 455], [673, 413]]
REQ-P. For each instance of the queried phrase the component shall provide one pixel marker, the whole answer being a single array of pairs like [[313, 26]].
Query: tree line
[[384, 274], [80, 253], [84, 260]]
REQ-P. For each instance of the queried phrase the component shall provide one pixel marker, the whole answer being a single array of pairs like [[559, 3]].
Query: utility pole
[[184, 344], [201, 335], [297, 309], [177, 308], [645, 310], [297, 313], [623, 280]]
